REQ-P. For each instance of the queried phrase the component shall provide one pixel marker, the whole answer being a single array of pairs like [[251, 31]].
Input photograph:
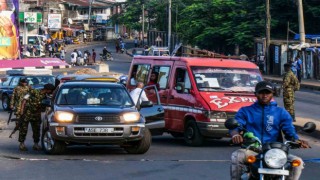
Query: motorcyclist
[[105, 52], [266, 121]]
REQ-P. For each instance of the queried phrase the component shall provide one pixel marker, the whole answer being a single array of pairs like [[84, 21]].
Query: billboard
[[9, 26], [54, 21]]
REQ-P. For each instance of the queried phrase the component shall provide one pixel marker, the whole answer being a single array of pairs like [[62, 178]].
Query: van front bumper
[[213, 129]]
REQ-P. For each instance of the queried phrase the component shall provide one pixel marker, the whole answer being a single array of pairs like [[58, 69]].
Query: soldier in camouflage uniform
[[17, 96], [290, 85], [31, 111]]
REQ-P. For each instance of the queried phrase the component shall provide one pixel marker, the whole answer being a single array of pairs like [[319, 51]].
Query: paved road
[[168, 158]]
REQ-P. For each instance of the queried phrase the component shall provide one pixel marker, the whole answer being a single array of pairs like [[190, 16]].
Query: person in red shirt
[[154, 80], [94, 56]]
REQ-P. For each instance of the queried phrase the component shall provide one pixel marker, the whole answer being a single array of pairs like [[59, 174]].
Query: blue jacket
[[274, 120]]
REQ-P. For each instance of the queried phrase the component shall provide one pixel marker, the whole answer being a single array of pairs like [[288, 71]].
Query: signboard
[[30, 17], [54, 21], [99, 19], [9, 30], [276, 54]]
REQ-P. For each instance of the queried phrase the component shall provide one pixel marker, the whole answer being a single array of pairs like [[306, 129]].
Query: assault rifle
[[18, 124]]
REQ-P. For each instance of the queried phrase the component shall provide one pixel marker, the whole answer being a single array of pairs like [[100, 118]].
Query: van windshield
[[225, 79]]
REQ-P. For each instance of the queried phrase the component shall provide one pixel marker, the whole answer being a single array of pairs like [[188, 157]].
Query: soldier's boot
[[36, 147], [23, 147]]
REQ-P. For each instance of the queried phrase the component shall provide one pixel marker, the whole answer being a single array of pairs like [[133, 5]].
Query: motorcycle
[[107, 57], [271, 161]]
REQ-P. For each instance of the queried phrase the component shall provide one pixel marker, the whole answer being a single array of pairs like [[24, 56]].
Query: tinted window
[[6, 81], [101, 96]]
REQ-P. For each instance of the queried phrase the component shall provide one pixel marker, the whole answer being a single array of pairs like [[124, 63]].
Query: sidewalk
[[312, 84]]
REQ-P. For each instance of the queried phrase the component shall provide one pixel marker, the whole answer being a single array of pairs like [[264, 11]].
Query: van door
[[160, 69], [180, 100]]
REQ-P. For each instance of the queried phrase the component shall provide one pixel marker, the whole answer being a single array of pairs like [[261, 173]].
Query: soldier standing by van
[[17, 96], [290, 85], [31, 112]]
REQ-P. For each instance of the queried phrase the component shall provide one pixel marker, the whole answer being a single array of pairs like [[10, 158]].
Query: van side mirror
[[179, 87]]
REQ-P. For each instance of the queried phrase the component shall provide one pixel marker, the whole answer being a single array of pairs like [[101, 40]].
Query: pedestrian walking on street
[[62, 53], [294, 66], [290, 85], [136, 42], [31, 113], [94, 55], [74, 56], [299, 68]]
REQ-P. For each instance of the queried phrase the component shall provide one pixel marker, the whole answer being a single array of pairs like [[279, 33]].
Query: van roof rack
[[194, 52]]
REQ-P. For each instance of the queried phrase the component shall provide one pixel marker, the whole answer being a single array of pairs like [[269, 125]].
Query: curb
[[302, 85]]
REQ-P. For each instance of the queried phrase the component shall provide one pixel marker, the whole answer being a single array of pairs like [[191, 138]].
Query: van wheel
[[50, 145], [142, 146], [192, 134]]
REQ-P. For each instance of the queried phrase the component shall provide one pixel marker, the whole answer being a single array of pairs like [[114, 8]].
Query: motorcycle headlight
[[275, 158]]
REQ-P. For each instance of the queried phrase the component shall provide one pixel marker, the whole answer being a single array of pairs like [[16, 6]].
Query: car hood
[[231, 102], [80, 109]]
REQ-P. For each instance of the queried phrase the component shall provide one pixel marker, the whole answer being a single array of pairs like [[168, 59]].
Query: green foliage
[[220, 24]]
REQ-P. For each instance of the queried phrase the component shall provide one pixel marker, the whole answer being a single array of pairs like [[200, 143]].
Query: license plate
[[273, 171], [99, 130]]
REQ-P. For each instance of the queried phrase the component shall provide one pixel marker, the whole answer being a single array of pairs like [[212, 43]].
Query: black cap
[[23, 81], [49, 87], [264, 85]]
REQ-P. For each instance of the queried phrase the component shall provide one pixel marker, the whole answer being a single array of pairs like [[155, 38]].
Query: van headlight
[[275, 158], [62, 116], [131, 117], [216, 116]]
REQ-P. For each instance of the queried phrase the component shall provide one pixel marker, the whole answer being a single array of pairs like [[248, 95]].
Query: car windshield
[[102, 96], [225, 79], [40, 80]]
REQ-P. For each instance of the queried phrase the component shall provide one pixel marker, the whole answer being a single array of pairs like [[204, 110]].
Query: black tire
[[5, 102], [50, 145], [141, 146], [192, 135]]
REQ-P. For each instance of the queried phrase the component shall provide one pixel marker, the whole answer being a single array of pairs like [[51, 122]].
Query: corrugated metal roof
[[87, 2]]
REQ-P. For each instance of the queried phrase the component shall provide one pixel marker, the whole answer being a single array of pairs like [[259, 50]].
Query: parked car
[[36, 79], [96, 112]]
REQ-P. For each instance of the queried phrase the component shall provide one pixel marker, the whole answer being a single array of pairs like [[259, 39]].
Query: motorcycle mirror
[[231, 123], [309, 127]]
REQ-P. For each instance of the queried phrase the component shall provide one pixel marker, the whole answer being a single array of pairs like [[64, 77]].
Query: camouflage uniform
[[17, 96], [32, 114], [290, 85]]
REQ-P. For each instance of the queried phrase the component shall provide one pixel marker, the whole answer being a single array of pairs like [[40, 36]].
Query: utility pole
[[301, 22], [89, 17], [143, 23], [267, 36], [169, 26]]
